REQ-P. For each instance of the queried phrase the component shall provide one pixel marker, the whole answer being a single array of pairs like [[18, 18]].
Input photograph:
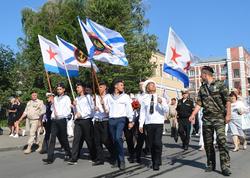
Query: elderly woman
[[237, 109], [153, 109]]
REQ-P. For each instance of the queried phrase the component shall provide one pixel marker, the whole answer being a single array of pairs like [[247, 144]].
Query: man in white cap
[[152, 113]]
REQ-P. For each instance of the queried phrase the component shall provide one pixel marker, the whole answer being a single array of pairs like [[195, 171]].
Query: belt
[[101, 120], [84, 118]]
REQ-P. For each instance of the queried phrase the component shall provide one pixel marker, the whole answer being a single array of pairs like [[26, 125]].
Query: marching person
[[153, 109], [101, 126], [120, 108], [47, 123], [141, 136], [213, 96], [61, 111], [184, 109], [83, 130], [33, 111]]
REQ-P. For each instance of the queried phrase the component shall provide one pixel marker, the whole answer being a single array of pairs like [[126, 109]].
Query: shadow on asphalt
[[168, 160]]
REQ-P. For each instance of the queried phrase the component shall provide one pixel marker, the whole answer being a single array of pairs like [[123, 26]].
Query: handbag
[[245, 121]]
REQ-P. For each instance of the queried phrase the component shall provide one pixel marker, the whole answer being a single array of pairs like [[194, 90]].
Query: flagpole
[[70, 84], [48, 80], [93, 81]]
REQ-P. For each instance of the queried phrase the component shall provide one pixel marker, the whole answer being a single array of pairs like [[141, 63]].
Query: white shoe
[[245, 145], [201, 148], [23, 133], [11, 135], [16, 136], [164, 133]]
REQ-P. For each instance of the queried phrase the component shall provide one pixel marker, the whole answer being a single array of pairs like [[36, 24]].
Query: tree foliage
[[60, 18]]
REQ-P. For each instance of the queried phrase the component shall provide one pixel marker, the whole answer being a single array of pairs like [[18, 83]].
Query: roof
[[212, 59]]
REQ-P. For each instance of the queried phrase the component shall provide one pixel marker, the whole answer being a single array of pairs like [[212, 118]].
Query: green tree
[[7, 60], [60, 18]]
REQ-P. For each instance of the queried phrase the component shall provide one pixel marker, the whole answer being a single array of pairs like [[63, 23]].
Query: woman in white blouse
[[237, 109]]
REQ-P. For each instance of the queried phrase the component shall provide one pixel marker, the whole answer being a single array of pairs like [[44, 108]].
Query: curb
[[12, 148]]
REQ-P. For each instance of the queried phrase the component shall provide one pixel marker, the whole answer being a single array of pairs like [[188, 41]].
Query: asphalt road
[[175, 164]]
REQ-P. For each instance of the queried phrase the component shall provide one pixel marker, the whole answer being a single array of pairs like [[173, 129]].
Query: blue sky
[[207, 27]]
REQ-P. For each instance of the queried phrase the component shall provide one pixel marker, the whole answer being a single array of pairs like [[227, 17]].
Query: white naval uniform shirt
[[120, 106], [61, 106], [85, 106], [100, 114], [157, 117]]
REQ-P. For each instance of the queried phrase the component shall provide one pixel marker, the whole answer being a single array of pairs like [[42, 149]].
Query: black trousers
[[184, 127], [131, 135], [59, 130], [47, 126], [102, 136], [154, 134], [83, 131]]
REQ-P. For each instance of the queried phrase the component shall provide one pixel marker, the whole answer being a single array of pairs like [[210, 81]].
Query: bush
[[3, 123]]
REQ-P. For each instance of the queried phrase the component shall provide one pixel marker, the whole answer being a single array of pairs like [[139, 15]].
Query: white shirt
[[140, 97], [85, 106], [157, 117], [237, 109], [100, 113], [120, 106], [61, 108]]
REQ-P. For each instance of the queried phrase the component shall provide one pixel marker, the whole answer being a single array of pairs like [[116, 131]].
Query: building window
[[191, 85], [224, 70], [191, 73], [161, 70], [214, 69], [155, 69], [236, 84], [236, 73]]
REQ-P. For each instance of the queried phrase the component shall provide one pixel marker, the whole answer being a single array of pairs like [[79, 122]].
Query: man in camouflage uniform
[[213, 96]]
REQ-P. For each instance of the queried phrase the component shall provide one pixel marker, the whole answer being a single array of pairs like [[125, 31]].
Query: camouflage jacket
[[213, 99]]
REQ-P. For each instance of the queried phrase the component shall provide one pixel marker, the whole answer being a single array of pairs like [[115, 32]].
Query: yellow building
[[164, 81]]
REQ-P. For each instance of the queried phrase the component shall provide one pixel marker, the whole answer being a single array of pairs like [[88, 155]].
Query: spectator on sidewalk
[[12, 110], [33, 111]]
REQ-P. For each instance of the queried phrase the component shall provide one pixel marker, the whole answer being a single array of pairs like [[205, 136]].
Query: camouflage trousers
[[208, 132]]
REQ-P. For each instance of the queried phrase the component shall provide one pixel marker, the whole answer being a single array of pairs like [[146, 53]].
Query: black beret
[[208, 68], [60, 85], [79, 83], [115, 81], [102, 83]]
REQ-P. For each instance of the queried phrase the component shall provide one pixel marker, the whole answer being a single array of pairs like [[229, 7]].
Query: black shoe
[[122, 166], [138, 160], [145, 151], [210, 168], [98, 163], [186, 147], [43, 152], [72, 162], [131, 160], [47, 161], [226, 172], [66, 158], [156, 167]]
